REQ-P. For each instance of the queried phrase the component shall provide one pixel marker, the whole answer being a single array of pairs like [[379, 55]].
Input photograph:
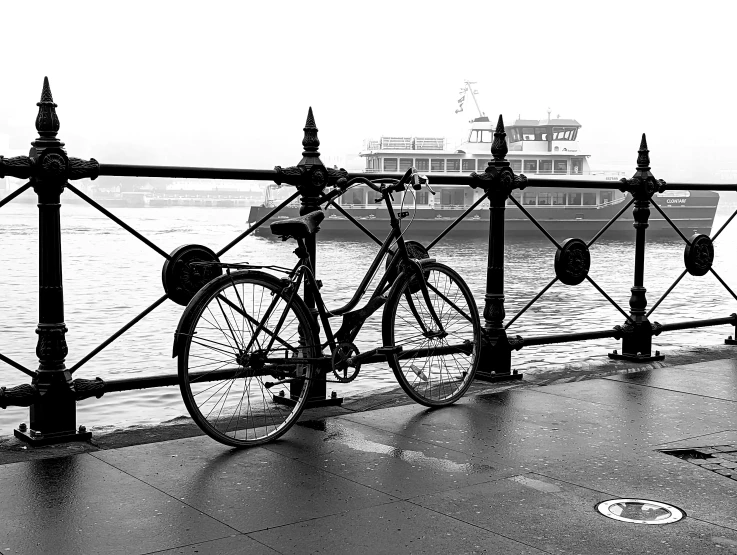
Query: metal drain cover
[[640, 511]]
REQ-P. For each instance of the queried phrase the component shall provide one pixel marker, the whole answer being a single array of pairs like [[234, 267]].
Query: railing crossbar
[[250, 230], [458, 220], [723, 283], [355, 222], [118, 333], [528, 305], [608, 298], [534, 221], [667, 219], [661, 299], [610, 222], [17, 192], [569, 337], [17, 366], [117, 220], [714, 237]]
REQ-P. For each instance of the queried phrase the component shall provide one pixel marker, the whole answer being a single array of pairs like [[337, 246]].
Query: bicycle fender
[[205, 291]]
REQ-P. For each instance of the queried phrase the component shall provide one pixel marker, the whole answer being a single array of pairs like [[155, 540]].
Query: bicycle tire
[[224, 382], [433, 371]]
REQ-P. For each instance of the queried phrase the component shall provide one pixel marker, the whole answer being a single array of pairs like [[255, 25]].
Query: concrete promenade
[[513, 468]]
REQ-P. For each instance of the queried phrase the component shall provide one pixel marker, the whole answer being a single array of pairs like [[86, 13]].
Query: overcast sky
[[229, 83]]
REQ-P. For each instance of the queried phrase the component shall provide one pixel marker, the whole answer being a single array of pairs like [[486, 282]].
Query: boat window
[[574, 199], [543, 199], [405, 164], [390, 164], [355, 195], [483, 163], [437, 165], [560, 166], [473, 137], [514, 135], [589, 199], [421, 197], [530, 166], [469, 165], [487, 136], [529, 198], [528, 133], [517, 195], [576, 166], [516, 165], [451, 197], [541, 134], [564, 133], [453, 165], [422, 164], [606, 196], [558, 199], [546, 166]]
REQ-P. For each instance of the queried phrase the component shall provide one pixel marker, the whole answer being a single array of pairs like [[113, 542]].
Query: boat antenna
[[469, 87]]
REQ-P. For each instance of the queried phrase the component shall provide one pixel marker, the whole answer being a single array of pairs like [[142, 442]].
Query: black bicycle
[[248, 346]]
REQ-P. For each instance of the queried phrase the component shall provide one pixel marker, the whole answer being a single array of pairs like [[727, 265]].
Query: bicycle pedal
[[389, 350]]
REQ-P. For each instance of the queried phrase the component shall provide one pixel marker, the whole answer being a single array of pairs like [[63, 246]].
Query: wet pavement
[[508, 470]]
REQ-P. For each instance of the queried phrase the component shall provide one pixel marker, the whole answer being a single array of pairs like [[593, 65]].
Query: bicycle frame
[[353, 321]]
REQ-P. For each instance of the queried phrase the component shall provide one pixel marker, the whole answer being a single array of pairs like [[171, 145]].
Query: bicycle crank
[[342, 370]]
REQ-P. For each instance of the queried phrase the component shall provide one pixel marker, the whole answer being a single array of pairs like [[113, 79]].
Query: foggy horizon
[[166, 84]]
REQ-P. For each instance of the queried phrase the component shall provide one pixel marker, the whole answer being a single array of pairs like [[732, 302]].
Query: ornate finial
[[643, 159], [499, 147], [310, 142], [47, 122]]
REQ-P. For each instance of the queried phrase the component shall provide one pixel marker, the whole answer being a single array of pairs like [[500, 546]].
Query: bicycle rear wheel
[[434, 369], [242, 346]]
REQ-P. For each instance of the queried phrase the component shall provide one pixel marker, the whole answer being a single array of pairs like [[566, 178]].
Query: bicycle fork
[[439, 332]]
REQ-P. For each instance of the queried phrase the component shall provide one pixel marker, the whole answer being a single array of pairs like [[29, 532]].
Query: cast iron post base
[[37, 440], [312, 402], [637, 358]]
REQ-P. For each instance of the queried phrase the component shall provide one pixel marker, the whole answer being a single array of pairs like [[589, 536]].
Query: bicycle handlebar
[[411, 176]]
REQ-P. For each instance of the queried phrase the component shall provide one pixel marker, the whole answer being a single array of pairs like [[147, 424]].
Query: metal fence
[[54, 390]]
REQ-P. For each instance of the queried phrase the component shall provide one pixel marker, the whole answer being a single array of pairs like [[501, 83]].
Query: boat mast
[[469, 88]]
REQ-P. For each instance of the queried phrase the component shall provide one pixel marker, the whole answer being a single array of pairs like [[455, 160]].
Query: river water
[[110, 277]]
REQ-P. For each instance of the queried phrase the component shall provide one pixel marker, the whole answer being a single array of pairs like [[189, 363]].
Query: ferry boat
[[547, 148]]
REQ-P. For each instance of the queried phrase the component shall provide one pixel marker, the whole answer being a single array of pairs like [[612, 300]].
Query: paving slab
[[79, 504], [395, 464], [716, 379], [559, 517], [233, 545], [399, 527], [518, 470], [251, 489]]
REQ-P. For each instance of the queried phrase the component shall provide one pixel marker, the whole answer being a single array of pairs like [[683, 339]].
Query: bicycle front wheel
[[243, 346], [436, 365]]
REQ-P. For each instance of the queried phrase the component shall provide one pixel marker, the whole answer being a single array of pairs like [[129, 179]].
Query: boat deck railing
[[54, 389]]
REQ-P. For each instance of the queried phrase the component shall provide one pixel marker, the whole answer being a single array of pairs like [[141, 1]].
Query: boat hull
[[694, 214]]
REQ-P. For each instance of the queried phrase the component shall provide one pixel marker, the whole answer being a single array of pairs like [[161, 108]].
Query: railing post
[[53, 414], [311, 177], [498, 181], [637, 332]]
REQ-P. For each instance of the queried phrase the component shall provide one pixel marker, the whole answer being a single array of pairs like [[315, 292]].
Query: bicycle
[[248, 347]]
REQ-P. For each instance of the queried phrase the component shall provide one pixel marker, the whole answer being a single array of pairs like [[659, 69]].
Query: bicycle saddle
[[300, 227]]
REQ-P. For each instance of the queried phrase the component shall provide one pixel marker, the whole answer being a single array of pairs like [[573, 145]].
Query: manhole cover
[[640, 511]]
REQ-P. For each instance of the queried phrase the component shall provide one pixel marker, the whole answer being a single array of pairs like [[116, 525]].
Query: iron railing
[[52, 393]]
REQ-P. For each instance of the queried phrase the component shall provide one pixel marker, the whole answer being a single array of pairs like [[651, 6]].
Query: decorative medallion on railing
[[698, 256], [572, 262], [188, 270]]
